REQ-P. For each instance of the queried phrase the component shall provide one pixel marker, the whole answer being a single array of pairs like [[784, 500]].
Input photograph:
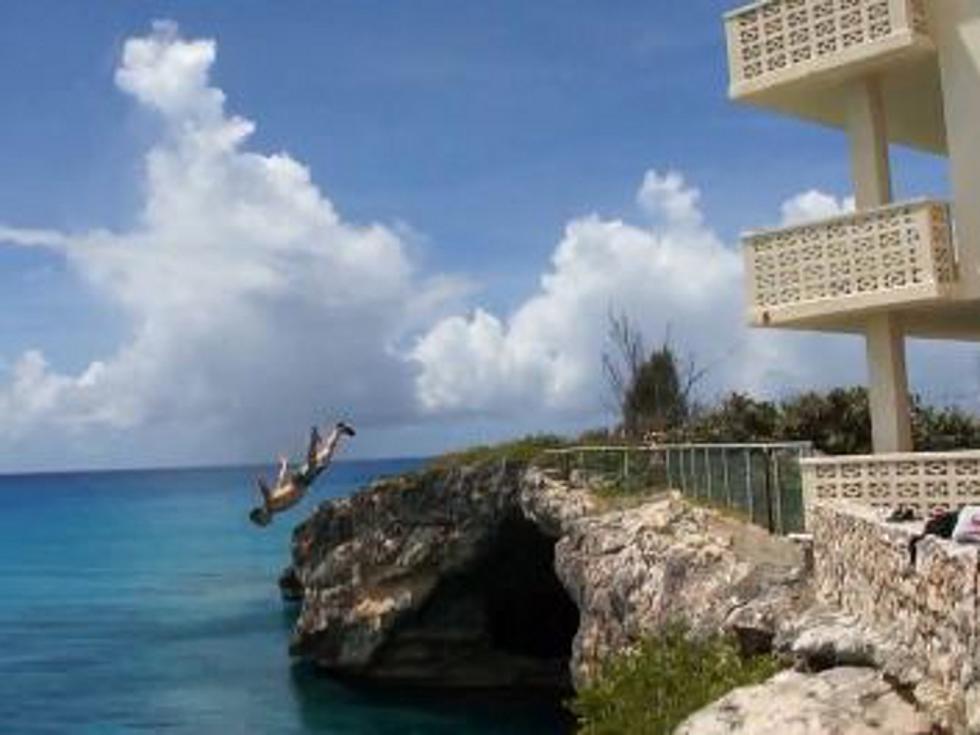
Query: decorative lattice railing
[[775, 41], [922, 480], [895, 255]]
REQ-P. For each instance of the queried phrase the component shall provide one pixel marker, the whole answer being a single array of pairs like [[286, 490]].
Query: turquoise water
[[146, 602]]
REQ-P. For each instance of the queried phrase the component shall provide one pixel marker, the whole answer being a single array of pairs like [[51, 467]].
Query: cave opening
[[504, 622], [527, 610]]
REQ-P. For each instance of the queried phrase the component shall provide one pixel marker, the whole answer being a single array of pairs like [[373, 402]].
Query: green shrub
[[737, 418], [942, 429], [655, 398], [650, 690], [603, 437], [837, 422]]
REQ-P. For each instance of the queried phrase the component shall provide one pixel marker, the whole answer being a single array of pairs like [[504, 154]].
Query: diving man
[[291, 486]]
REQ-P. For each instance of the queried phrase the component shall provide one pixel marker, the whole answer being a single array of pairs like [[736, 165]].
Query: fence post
[[778, 488], [626, 463], [691, 475], [694, 465], [683, 471], [693, 461], [724, 470], [667, 468], [767, 456], [748, 485], [801, 454], [707, 473], [692, 478]]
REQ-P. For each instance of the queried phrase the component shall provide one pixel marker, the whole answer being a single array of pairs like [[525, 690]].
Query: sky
[[222, 222]]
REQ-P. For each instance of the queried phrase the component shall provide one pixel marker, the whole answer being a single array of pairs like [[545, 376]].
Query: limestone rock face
[[554, 505], [435, 578], [366, 561], [456, 577], [633, 571], [843, 701], [824, 637]]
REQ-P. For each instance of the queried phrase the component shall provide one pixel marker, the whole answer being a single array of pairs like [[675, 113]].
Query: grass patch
[[525, 449], [733, 513], [627, 501], [620, 487], [653, 688]]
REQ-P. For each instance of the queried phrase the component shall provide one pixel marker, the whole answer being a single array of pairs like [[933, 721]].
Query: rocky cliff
[[499, 575], [503, 576], [434, 578]]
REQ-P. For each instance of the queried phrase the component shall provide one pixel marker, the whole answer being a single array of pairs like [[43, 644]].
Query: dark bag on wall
[[941, 525]]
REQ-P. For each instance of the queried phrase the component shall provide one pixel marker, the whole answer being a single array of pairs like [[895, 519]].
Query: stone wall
[[924, 616]]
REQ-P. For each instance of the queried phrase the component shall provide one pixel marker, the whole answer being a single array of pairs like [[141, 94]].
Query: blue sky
[[475, 131]]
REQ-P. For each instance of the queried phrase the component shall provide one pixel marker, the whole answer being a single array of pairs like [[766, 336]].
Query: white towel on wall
[[967, 529]]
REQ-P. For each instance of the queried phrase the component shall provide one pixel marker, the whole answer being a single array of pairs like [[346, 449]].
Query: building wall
[[956, 29]]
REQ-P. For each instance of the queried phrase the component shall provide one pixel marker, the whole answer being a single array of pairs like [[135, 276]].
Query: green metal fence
[[760, 481]]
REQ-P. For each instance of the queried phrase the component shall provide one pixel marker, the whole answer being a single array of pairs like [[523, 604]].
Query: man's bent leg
[[313, 448]]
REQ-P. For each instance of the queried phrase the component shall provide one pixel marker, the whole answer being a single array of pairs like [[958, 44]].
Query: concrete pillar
[[887, 378], [870, 169], [955, 26], [891, 428]]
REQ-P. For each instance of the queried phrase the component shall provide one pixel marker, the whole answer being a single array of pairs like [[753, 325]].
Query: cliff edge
[[501, 575]]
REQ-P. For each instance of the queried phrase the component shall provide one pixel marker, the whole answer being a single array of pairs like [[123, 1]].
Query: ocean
[[144, 602]]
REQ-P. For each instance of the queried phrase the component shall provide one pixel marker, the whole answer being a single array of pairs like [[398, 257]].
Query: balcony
[[796, 56], [922, 480], [773, 42], [809, 275]]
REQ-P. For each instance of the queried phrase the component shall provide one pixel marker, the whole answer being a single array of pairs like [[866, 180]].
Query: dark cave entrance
[[506, 622], [528, 612]]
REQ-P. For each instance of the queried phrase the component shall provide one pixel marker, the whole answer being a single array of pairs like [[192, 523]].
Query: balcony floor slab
[[946, 319]]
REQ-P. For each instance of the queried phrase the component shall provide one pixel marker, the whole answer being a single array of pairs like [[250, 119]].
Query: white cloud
[[673, 272], [253, 307], [33, 238], [670, 273], [668, 201], [814, 205]]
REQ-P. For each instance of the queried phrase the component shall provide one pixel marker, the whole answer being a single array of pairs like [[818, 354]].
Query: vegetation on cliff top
[[653, 392], [837, 422], [525, 449], [654, 687]]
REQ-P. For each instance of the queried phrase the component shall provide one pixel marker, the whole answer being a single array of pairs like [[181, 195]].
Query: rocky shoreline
[[499, 575]]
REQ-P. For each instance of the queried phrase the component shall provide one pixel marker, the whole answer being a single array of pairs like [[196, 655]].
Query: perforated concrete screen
[[889, 255]]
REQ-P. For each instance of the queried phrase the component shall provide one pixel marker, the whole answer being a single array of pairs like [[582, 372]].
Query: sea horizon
[[204, 467]]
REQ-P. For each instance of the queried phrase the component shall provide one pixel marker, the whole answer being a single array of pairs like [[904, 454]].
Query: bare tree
[[651, 390], [622, 364]]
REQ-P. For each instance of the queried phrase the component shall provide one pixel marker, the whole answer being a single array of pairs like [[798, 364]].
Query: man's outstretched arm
[[264, 489]]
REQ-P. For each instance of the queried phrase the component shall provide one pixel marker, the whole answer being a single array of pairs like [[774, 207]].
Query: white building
[[885, 71]]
